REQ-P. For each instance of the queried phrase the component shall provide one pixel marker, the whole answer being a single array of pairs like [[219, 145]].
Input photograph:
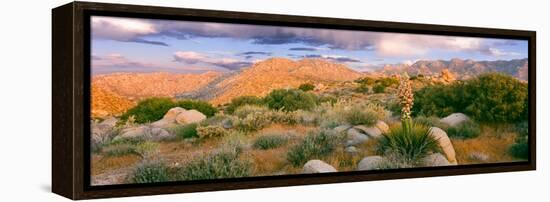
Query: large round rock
[[317, 166], [370, 163], [445, 143]]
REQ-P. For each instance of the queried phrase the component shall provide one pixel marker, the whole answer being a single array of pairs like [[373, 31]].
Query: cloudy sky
[[143, 45]]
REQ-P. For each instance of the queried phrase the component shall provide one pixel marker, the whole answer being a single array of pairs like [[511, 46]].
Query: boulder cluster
[[355, 135], [107, 130]]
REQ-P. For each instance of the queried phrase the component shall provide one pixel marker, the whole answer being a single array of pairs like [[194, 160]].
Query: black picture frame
[[71, 99]]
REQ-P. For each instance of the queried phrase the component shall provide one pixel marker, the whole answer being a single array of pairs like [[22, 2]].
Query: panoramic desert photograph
[[184, 101]]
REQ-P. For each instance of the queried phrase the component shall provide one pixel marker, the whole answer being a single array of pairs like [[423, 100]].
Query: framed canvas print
[[155, 100]]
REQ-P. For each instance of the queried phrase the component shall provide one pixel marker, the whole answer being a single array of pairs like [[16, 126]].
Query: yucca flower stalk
[[406, 98]]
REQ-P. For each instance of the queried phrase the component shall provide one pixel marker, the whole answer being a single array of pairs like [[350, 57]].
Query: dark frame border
[[71, 91]]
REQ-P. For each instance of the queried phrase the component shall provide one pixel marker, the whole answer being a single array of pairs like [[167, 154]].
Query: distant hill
[[106, 103], [262, 77], [463, 69], [135, 86]]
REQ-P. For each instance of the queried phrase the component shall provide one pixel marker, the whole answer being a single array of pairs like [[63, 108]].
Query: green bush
[[492, 98], [150, 172], [379, 88], [186, 131], [153, 109], [149, 110], [388, 81], [245, 110], [211, 131], [363, 115], [306, 87], [270, 141], [253, 122], [314, 146], [326, 99], [366, 80], [465, 130], [522, 128], [410, 145], [290, 100], [142, 149], [204, 107], [520, 149], [218, 165], [241, 101], [363, 88], [288, 118]]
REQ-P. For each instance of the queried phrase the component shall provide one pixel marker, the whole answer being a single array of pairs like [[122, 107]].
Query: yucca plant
[[412, 143]]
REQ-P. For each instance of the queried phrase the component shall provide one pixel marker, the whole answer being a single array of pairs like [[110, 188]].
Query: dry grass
[[492, 142], [104, 164]]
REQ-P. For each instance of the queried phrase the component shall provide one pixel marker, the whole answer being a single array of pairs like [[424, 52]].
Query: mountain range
[[262, 77], [464, 69]]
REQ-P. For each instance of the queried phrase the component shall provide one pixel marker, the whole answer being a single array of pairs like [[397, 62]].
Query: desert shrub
[[186, 131], [201, 106], [153, 109], [245, 110], [142, 149], [410, 145], [366, 80], [306, 87], [282, 117], [343, 112], [241, 101], [149, 110], [465, 130], [270, 141], [253, 122], [326, 99], [439, 100], [379, 88], [520, 149], [211, 131], [150, 172], [395, 160], [497, 98], [290, 100], [362, 88], [491, 97], [364, 114], [388, 81], [306, 117], [118, 150], [522, 128], [314, 146], [217, 165]]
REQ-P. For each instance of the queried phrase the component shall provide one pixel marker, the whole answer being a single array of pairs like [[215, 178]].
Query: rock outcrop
[[455, 119], [436, 159], [317, 166], [178, 115], [370, 163], [445, 143]]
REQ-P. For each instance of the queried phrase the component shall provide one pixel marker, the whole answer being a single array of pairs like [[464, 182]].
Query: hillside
[[135, 86], [106, 103], [262, 77]]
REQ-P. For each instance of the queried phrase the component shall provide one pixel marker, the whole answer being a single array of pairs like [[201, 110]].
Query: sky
[[147, 45]]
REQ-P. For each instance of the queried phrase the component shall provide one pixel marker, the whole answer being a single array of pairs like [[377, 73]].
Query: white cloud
[[190, 57], [498, 53], [385, 44], [122, 29]]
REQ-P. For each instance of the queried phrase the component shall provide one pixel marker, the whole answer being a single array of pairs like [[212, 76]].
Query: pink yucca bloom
[[406, 97]]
